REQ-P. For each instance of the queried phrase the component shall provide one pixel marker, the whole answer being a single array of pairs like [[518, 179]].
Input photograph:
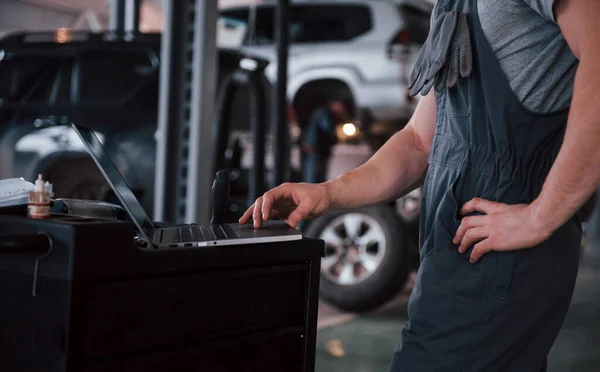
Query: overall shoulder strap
[[458, 6]]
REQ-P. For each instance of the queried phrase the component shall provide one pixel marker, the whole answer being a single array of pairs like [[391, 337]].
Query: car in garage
[[357, 50], [108, 84]]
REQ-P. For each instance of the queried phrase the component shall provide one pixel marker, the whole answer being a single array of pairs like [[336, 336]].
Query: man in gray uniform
[[505, 141]]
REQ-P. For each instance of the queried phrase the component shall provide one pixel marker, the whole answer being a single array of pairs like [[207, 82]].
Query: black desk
[[102, 304]]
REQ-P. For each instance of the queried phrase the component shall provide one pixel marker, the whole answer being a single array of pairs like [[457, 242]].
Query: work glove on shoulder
[[460, 56], [446, 54]]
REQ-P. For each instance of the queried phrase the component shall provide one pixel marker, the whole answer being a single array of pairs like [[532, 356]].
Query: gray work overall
[[504, 312]]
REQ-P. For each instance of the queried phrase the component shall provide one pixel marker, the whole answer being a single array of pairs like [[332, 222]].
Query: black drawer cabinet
[[102, 304]]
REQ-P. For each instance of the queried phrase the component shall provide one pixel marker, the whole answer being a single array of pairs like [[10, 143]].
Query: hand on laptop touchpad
[[266, 225]]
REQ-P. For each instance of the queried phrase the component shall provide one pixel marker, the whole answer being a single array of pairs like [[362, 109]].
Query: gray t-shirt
[[531, 50]]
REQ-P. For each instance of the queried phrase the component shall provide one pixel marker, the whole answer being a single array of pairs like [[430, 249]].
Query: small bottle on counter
[[39, 200]]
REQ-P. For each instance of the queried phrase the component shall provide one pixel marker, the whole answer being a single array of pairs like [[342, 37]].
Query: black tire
[[389, 276]]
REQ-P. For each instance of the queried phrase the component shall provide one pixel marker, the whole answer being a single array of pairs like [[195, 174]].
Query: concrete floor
[[347, 342]]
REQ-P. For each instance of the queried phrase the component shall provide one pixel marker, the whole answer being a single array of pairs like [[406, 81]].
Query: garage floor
[[366, 343]]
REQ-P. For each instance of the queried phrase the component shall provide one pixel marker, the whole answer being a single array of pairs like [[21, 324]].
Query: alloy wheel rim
[[355, 245]]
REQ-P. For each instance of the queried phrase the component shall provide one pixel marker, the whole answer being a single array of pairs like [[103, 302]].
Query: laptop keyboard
[[195, 233]]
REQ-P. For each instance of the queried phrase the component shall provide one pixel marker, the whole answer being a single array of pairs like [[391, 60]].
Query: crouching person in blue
[[505, 141], [320, 136]]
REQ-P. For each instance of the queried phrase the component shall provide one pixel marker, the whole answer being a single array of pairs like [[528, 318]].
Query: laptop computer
[[177, 236]]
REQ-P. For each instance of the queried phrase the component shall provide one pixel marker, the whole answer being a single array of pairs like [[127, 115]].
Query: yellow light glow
[[63, 35], [349, 129]]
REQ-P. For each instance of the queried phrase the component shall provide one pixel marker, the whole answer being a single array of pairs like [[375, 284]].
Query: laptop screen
[[116, 181]]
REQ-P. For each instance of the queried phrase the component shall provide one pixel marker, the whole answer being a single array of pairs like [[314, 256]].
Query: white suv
[[358, 50]]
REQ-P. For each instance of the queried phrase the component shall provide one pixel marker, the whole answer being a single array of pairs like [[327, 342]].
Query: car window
[[33, 79], [232, 27], [114, 77], [326, 23], [91, 78], [309, 23]]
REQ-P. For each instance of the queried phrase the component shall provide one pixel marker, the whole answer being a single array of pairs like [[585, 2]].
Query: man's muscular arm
[[574, 176], [397, 167]]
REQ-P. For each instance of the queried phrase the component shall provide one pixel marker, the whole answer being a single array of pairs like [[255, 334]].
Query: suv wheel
[[367, 257]]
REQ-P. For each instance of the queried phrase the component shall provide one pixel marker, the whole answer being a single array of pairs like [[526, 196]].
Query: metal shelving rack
[[187, 96], [185, 149]]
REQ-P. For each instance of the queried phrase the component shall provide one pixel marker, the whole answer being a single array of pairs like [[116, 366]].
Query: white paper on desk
[[14, 191]]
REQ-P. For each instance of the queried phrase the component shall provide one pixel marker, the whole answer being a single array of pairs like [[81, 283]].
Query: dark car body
[[109, 85]]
